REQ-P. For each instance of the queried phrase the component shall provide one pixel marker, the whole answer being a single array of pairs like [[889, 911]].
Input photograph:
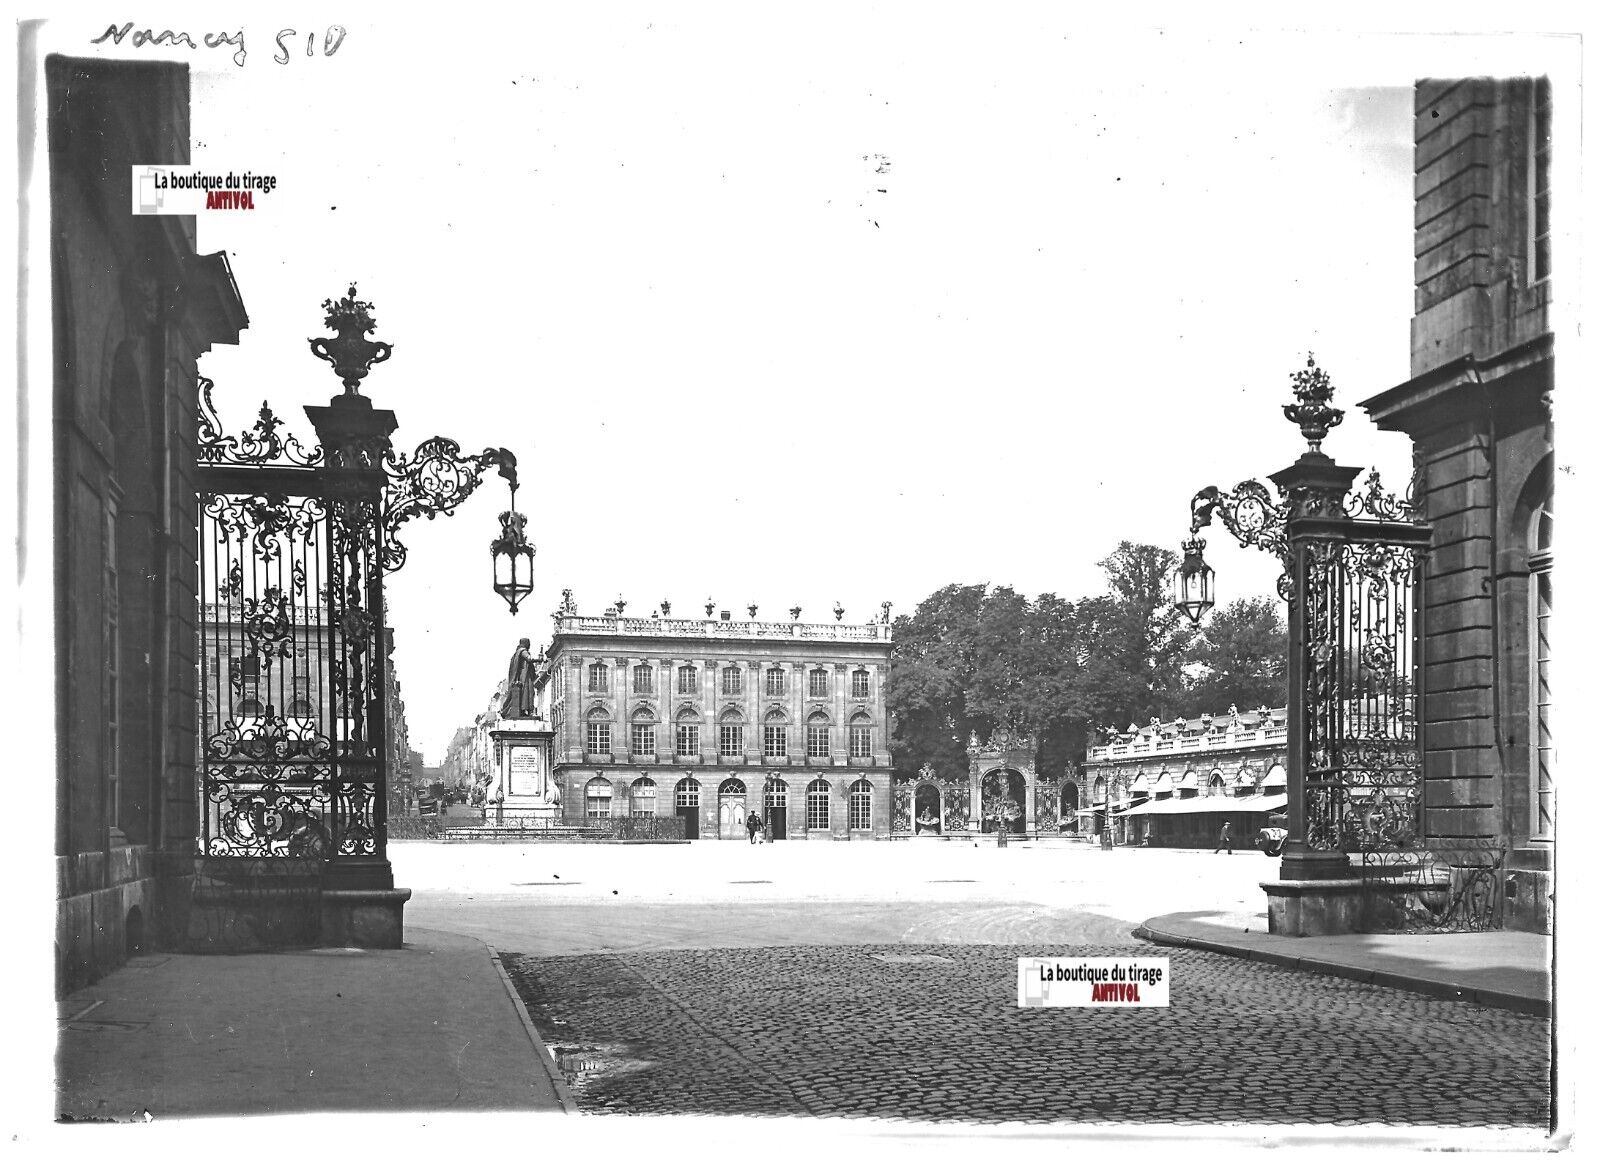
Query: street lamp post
[[1350, 572]]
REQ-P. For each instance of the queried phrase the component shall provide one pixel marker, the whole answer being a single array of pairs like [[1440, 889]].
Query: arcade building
[[708, 719]]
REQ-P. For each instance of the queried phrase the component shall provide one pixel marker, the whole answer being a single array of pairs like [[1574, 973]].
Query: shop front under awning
[[1219, 804]]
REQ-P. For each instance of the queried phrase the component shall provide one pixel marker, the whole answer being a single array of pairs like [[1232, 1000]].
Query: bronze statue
[[518, 702]]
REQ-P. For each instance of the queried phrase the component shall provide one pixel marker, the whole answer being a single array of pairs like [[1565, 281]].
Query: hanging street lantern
[[1193, 582], [513, 557]]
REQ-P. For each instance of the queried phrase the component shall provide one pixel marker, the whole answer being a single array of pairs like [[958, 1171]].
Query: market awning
[[1218, 804]]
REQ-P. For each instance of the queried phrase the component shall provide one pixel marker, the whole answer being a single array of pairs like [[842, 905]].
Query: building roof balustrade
[[572, 624]]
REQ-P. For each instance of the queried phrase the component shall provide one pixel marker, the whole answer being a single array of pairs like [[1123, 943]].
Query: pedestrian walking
[[1225, 839], [753, 825]]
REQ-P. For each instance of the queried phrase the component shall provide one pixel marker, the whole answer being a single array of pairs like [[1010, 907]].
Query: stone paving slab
[[1509, 970], [430, 1027], [837, 1032]]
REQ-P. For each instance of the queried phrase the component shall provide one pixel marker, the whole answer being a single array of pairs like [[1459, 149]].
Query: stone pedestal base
[[1313, 907], [363, 919]]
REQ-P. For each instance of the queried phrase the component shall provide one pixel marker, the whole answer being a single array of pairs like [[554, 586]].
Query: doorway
[[731, 810], [777, 810]]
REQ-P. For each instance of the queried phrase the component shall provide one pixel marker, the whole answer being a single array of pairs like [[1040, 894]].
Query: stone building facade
[[1174, 783], [132, 305], [1477, 408], [707, 720]]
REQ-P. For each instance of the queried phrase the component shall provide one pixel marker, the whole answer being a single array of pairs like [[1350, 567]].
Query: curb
[[569, 1105], [1443, 990]]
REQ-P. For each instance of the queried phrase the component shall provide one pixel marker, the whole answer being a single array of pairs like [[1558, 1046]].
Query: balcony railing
[[866, 762], [730, 758], [769, 759], [597, 758], [1160, 746], [642, 758], [686, 758]]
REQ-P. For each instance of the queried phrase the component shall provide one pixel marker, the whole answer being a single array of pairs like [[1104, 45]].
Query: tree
[[1138, 642], [1242, 658]]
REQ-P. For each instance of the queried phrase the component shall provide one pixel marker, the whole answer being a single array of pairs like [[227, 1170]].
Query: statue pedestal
[[522, 771]]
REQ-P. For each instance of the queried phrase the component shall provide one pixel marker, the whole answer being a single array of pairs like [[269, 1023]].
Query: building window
[[688, 740], [597, 799], [775, 740], [777, 797], [688, 679], [818, 681], [774, 681], [860, 683], [861, 740], [643, 678], [687, 795], [643, 798], [732, 680], [643, 739], [817, 740], [818, 805], [730, 740], [861, 806], [599, 738], [599, 677]]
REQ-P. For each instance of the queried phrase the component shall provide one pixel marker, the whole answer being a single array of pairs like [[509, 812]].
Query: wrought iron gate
[[291, 589], [1358, 589]]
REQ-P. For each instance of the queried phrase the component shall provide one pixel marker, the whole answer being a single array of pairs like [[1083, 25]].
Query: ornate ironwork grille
[[291, 594], [1357, 588]]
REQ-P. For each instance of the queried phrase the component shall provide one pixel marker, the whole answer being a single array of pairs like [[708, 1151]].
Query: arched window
[[642, 733], [730, 733], [643, 798], [818, 741], [861, 736], [644, 680], [597, 731], [687, 795], [300, 709], [818, 805], [860, 683], [250, 706], [775, 734], [732, 681], [688, 680], [687, 731], [861, 805], [732, 788], [775, 681], [817, 680], [597, 799], [599, 677]]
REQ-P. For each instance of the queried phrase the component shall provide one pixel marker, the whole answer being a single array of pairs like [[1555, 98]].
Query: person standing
[[1225, 839], [753, 825]]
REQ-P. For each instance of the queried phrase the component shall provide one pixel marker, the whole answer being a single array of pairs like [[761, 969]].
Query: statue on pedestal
[[519, 695]]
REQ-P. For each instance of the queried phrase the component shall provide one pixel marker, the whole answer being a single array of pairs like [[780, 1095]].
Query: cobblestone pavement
[[838, 1031]]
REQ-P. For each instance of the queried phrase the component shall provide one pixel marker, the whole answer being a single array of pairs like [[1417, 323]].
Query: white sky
[[646, 249]]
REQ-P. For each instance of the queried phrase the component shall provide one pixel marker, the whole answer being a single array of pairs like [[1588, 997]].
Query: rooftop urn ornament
[[886, 607], [666, 609], [710, 606], [620, 604], [350, 352], [1311, 412], [794, 613], [838, 613], [752, 609]]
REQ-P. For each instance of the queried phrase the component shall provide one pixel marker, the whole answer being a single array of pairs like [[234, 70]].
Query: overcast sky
[[839, 304]]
